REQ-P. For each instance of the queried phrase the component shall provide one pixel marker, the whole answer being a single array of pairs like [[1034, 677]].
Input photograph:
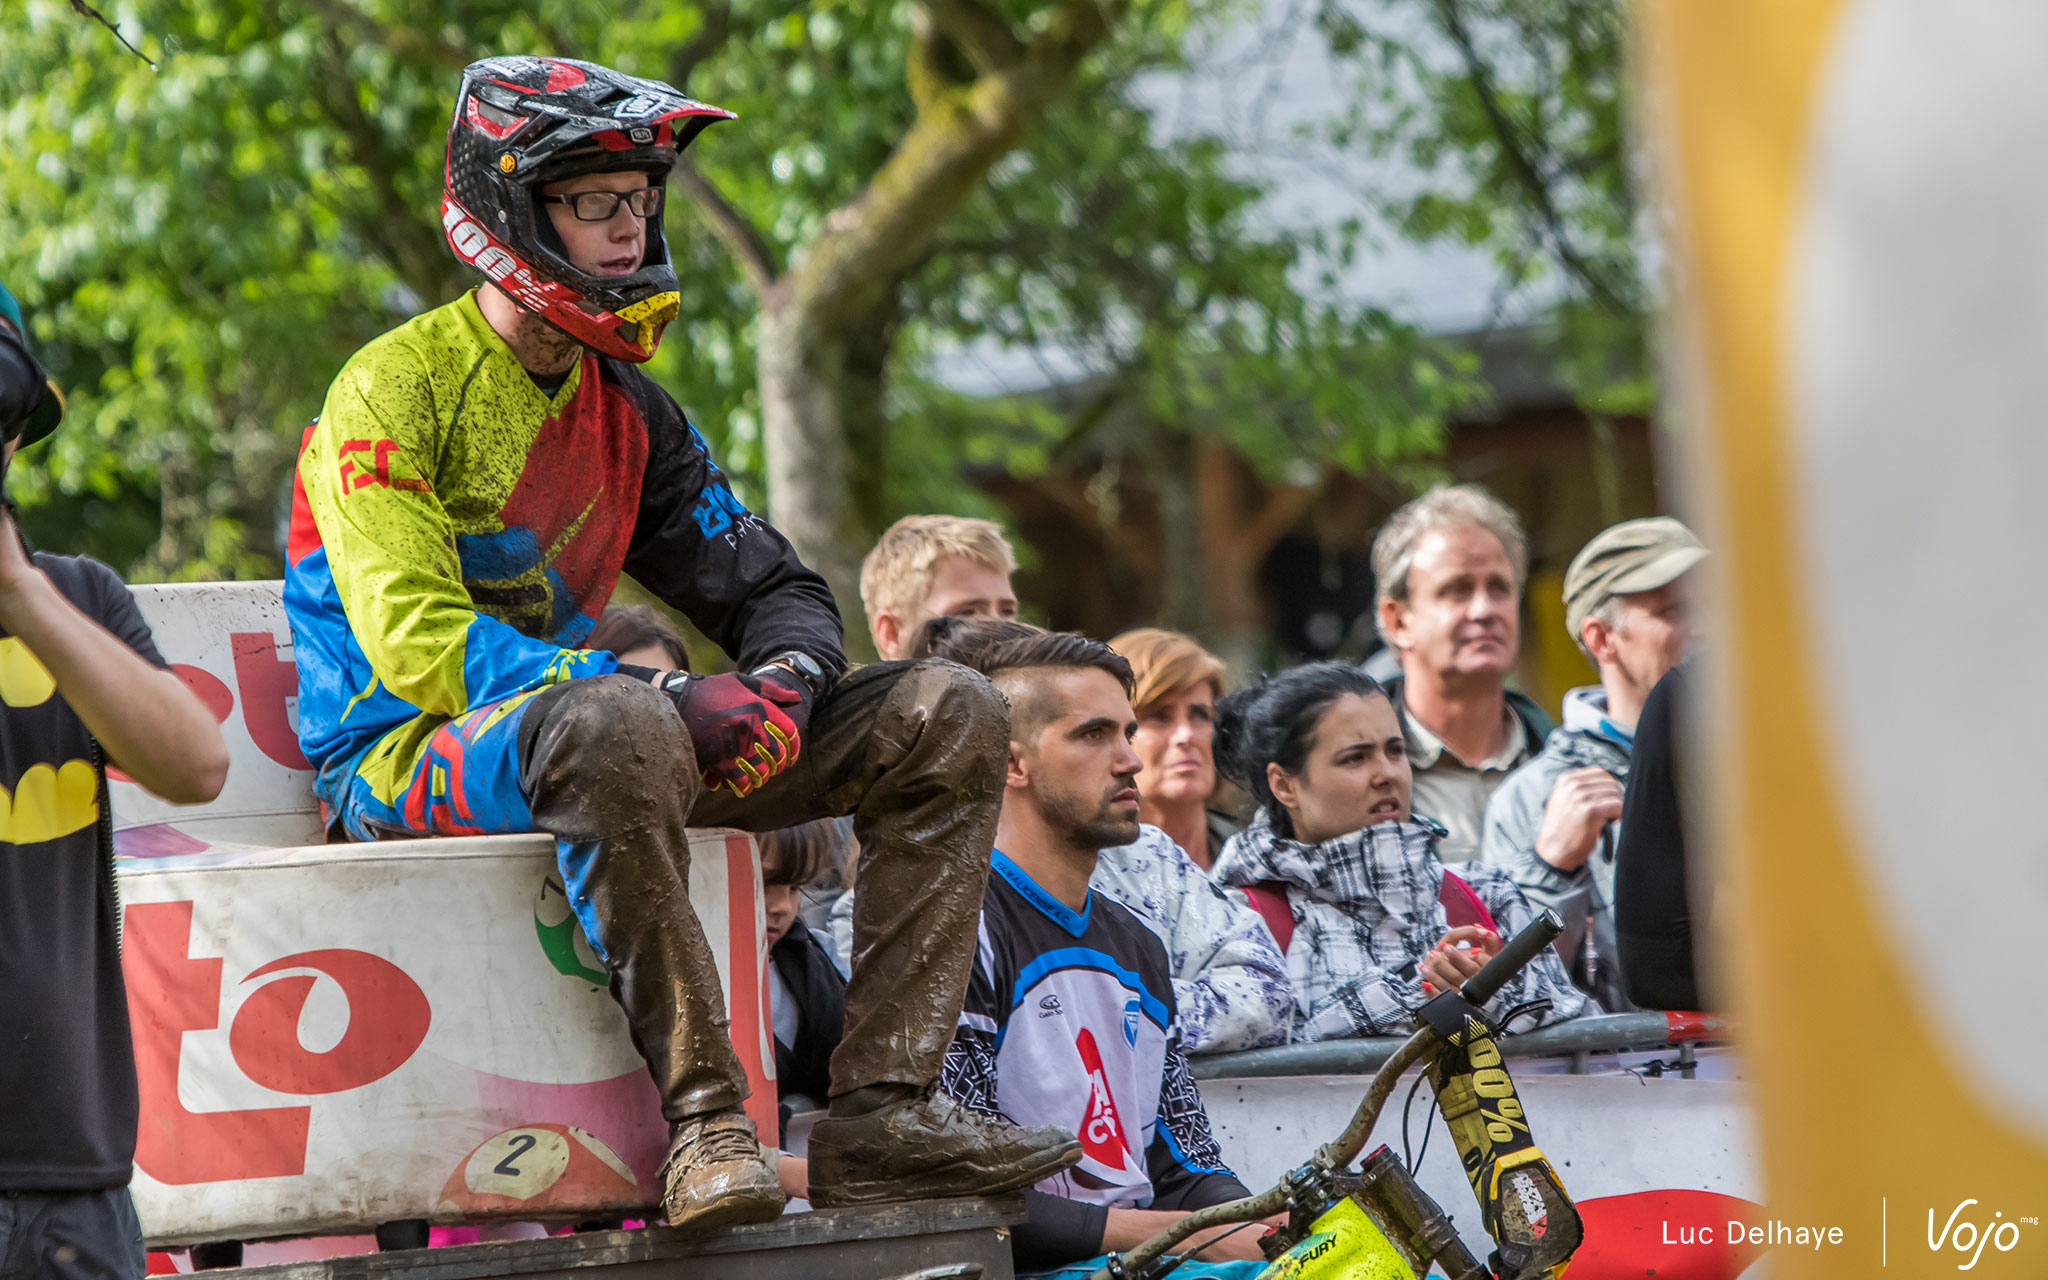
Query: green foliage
[[196, 248], [201, 247], [1516, 112], [1143, 259]]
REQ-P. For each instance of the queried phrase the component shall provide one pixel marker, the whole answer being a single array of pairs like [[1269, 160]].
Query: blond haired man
[[1228, 975], [929, 567]]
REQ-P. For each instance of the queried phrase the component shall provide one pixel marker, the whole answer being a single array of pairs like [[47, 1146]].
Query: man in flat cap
[[1553, 824]]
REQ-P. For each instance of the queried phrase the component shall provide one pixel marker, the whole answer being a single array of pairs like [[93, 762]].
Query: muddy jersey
[[456, 532], [1069, 1021]]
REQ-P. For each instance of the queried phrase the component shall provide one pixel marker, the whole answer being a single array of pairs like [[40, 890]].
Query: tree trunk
[[825, 433], [1240, 521], [181, 478], [828, 325], [1184, 590]]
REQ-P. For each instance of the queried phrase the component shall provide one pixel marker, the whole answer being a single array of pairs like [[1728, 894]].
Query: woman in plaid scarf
[[1322, 751]]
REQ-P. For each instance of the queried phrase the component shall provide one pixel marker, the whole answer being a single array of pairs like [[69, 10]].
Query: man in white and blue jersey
[[1069, 1018]]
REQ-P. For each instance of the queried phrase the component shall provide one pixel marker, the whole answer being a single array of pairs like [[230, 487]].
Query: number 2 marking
[[506, 1166]]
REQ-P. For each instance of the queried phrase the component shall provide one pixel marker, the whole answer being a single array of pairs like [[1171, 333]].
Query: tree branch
[[942, 158], [410, 43], [1242, 536], [1282, 507], [415, 255], [924, 64], [982, 34], [1523, 166], [734, 229], [713, 33], [87, 11]]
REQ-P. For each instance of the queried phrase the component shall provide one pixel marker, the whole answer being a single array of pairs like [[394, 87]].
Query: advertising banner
[[333, 1036]]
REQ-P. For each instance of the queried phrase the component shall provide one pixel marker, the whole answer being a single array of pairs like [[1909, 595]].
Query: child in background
[[806, 994], [640, 635]]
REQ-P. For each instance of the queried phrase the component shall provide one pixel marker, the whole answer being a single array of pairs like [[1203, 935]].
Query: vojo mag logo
[[1968, 1234]]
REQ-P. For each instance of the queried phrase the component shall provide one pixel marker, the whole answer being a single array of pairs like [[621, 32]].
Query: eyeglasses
[[599, 206]]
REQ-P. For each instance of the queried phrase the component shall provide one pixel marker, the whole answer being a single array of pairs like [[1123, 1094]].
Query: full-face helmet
[[522, 122]]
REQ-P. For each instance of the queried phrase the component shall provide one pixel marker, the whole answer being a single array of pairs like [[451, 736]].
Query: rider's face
[[614, 247]]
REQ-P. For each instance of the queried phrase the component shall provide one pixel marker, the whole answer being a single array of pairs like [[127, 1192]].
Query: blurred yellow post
[[1861, 263]]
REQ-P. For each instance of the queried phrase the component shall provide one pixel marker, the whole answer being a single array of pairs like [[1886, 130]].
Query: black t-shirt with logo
[[67, 1065]]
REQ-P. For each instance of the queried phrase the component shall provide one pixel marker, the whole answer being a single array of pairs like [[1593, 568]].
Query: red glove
[[745, 728]]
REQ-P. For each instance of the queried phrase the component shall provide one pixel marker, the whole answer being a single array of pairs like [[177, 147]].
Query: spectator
[[1070, 1018], [1228, 972], [1552, 825], [1229, 979], [923, 567], [1653, 894], [934, 567], [806, 992], [1322, 751], [639, 636], [1449, 569], [87, 686], [1178, 683]]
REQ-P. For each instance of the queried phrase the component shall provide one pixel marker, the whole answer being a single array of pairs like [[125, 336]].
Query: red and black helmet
[[521, 122]]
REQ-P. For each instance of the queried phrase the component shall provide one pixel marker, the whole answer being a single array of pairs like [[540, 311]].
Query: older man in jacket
[[1553, 824]]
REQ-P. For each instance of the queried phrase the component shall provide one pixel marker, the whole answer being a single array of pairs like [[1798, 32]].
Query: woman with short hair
[[1178, 685]]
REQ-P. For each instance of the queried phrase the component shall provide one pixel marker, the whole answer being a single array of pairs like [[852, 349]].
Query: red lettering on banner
[[266, 681], [749, 995], [388, 1016], [169, 993], [211, 692]]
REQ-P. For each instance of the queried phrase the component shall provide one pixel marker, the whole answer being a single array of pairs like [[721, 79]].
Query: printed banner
[[333, 1036]]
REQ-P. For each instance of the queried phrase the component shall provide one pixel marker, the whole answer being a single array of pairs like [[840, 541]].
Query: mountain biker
[[475, 484]]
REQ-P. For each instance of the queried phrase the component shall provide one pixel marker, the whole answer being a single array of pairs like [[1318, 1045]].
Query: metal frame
[[1602, 1033]]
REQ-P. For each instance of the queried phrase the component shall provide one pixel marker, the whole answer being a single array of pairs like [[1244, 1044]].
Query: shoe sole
[[733, 1209], [941, 1184]]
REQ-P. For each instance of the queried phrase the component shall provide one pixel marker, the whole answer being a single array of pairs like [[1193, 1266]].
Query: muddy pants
[[914, 751]]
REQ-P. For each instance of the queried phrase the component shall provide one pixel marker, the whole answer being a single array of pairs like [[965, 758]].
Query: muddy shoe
[[927, 1146], [715, 1175]]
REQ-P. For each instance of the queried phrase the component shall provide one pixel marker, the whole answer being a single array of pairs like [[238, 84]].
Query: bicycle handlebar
[[1518, 951]]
